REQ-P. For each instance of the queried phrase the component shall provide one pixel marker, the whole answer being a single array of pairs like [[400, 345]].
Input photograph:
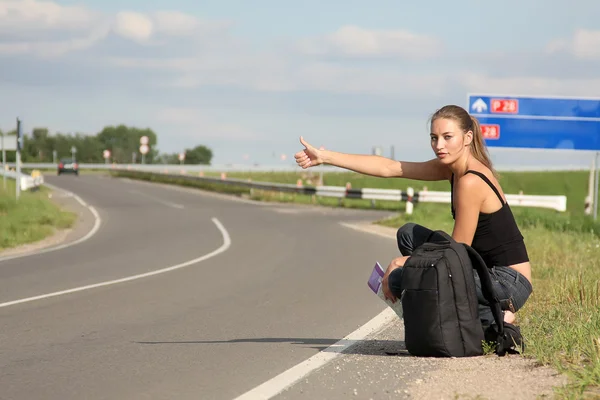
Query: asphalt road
[[255, 290]]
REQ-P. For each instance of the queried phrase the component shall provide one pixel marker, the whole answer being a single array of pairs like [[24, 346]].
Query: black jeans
[[512, 287]]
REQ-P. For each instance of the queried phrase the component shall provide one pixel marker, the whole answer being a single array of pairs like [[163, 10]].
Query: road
[[254, 290]]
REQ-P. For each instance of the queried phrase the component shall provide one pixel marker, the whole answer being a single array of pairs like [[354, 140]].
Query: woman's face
[[447, 140]]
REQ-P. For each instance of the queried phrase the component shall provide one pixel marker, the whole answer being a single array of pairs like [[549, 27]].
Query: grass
[[30, 219], [561, 320]]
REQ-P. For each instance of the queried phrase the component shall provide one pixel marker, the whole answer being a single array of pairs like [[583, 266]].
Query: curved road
[[256, 289]]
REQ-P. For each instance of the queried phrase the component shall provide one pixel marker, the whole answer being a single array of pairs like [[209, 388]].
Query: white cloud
[[226, 61], [273, 74], [531, 85], [356, 41], [375, 80], [142, 27], [133, 25], [48, 29], [41, 15], [175, 23], [53, 48], [192, 123], [585, 44]]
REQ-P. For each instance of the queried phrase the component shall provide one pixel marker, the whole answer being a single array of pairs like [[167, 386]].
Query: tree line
[[122, 141]]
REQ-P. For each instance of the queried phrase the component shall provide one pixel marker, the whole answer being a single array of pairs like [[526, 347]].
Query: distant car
[[68, 166]]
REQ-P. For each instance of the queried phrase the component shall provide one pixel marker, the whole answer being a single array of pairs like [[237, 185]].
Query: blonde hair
[[467, 122]]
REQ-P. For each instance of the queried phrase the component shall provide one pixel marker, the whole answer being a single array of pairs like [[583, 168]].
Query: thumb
[[304, 142]]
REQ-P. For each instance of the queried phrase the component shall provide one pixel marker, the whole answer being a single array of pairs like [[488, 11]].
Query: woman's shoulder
[[480, 173], [477, 178]]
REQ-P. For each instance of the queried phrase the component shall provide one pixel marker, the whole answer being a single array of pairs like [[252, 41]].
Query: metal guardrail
[[195, 172], [27, 181], [282, 167], [558, 203]]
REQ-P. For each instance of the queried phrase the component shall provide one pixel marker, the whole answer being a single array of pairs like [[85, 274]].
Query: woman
[[482, 217]]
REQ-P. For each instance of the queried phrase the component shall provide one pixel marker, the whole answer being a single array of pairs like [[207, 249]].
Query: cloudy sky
[[247, 78]]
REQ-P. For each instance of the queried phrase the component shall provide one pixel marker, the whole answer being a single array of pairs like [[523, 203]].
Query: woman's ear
[[468, 138]]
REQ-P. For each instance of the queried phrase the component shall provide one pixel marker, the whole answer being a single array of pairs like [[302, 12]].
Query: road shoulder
[[83, 225], [379, 367]]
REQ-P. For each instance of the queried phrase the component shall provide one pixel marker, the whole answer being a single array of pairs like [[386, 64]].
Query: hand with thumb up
[[309, 157]]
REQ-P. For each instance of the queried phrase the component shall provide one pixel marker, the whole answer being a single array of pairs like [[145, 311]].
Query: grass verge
[[561, 320], [30, 219]]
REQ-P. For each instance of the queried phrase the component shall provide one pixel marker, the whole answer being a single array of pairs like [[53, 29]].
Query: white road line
[[226, 244], [289, 377], [158, 200], [92, 232]]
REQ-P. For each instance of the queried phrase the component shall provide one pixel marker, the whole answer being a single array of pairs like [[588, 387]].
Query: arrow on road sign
[[479, 105]]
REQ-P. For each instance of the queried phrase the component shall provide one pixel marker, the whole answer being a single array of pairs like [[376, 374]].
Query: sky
[[247, 78]]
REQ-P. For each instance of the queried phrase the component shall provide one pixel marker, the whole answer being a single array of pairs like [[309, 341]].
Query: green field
[[561, 321], [573, 184], [30, 219]]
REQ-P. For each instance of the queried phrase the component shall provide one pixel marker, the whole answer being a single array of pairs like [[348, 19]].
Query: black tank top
[[497, 238]]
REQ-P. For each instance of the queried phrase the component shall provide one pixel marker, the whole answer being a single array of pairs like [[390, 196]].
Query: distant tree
[[124, 141], [198, 155]]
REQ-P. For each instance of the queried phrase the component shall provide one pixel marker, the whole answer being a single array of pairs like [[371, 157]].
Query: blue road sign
[[538, 122]]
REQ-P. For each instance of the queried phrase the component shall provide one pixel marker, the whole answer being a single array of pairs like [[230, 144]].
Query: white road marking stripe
[[226, 244], [287, 378], [158, 200]]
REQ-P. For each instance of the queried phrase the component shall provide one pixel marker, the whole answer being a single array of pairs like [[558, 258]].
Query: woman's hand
[[309, 157], [396, 263]]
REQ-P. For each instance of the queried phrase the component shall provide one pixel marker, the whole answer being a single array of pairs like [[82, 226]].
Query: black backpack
[[440, 307]]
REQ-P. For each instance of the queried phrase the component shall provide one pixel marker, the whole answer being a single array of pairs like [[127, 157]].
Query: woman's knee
[[410, 236], [405, 238], [515, 286]]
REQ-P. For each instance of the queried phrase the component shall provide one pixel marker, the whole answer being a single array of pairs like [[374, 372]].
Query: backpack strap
[[507, 337], [487, 287]]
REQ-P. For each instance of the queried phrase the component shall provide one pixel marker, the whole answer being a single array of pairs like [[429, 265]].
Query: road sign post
[[3, 160], [144, 147], [18, 160], [548, 123], [144, 150], [597, 172]]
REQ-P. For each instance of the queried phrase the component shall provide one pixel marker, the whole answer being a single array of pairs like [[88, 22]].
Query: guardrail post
[[341, 199], [409, 202]]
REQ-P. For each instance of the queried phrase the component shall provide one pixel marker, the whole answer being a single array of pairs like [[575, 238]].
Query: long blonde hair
[[467, 122]]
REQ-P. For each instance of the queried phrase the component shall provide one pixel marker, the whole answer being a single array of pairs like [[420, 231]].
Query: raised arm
[[373, 165]]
